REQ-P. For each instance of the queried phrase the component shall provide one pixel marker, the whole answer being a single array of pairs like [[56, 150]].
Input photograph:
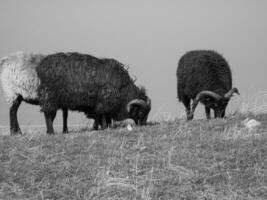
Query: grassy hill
[[215, 159]]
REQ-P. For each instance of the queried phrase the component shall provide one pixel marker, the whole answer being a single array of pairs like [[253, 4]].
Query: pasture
[[199, 159]]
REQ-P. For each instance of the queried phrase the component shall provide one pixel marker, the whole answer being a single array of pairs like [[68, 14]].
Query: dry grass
[[216, 159]]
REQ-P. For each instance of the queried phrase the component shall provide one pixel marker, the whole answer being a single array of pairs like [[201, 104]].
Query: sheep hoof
[[190, 117], [13, 132]]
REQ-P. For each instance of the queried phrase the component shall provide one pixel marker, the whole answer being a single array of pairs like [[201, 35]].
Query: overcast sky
[[148, 35]]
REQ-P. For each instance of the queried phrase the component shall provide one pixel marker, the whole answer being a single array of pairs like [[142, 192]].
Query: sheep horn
[[197, 99], [208, 93], [230, 93], [139, 102]]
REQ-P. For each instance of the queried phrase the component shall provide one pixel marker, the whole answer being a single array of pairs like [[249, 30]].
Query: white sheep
[[20, 83]]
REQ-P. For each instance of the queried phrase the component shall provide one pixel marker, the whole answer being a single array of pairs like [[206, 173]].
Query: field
[[216, 159]]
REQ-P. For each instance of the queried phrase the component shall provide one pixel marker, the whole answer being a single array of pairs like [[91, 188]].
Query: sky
[[149, 36]]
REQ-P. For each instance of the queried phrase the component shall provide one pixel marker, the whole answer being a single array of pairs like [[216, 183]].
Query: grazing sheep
[[100, 87], [20, 83], [204, 76]]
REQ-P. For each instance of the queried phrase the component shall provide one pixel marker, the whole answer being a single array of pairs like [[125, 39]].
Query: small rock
[[251, 123], [129, 127]]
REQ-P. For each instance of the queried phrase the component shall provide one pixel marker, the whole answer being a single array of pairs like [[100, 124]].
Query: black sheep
[[101, 88], [205, 76]]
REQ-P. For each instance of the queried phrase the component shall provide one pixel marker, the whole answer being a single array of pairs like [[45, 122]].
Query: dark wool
[[202, 70], [85, 83]]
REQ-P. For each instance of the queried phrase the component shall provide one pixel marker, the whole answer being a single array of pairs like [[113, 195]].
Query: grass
[[207, 160]]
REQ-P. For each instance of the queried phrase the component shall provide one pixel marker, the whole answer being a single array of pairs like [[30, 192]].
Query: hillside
[[215, 159]]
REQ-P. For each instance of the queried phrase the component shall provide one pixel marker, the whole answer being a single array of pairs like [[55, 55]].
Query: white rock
[[129, 127], [251, 123]]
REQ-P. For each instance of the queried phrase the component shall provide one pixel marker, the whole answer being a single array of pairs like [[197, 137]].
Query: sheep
[[95, 86], [20, 83], [205, 76]]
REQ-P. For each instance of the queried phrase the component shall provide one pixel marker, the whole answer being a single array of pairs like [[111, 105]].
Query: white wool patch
[[19, 77]]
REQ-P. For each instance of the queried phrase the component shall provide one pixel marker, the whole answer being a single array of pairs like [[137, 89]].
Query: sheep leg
[[216, 114], [186, 103], [223, 114], [95, 125], [53, 116], [65, 120], [109, 121], [49, 116], [191, 114], [14, 125], [219, 113], [103, 122], [207, 111], [96, 122]]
